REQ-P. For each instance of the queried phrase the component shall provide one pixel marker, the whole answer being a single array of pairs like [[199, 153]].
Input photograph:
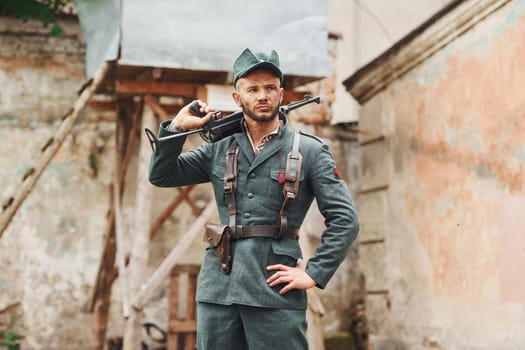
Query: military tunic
[[258, 202]]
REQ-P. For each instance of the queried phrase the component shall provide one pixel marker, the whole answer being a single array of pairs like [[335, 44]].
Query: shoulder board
[[312, 136]]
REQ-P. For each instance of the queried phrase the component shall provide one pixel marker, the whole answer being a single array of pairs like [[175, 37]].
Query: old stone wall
[[50, 252]]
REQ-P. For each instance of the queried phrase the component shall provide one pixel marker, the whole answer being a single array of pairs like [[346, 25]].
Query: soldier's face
[[259, 94]]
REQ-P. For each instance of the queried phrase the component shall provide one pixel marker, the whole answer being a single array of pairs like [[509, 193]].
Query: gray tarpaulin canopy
[[205, 35]]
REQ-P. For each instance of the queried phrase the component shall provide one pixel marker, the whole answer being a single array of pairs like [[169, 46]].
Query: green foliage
[[8, 336], [44, 11], [9, 341]]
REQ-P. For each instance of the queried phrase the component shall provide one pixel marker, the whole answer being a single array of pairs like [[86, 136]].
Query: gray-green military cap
[[249, 61]]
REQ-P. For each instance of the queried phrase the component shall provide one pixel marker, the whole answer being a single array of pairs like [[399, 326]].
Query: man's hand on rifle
[[186, 120]]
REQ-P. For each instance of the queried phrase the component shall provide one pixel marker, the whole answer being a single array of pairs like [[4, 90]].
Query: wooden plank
[[169, 109], [172, 342], [119, 231], [107, 272], [12, 204], [104, 105], [191, 311], [157, 88], [173, 311], [141, 227], [290, 96], [156, 107], [186, 268], [108, 255], [183, 326], [131, 139], [146, 291], [190, 296], [183, 195], [190, 341]]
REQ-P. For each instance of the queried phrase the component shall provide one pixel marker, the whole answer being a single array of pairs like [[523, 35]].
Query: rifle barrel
[[304, 101]]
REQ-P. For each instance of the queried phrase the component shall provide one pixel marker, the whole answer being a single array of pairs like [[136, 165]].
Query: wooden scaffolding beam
[[48, 151], [140, 237], [107, 271], [146, 290], [124, 146]]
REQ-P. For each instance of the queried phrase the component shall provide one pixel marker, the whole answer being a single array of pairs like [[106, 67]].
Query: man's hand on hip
[[293, 277]]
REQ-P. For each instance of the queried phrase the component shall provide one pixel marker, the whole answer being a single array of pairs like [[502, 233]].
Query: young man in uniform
[[255, 297]]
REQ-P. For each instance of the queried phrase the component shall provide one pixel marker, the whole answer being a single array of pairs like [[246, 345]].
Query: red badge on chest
[[336, 172]]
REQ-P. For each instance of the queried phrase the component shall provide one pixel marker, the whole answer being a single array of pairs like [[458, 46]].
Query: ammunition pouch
[[218, 236]]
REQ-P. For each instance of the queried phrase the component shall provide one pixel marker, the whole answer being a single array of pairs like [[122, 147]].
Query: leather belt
[[263, 231]]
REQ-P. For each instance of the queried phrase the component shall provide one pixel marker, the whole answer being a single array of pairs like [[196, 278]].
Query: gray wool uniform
[[258, 202]]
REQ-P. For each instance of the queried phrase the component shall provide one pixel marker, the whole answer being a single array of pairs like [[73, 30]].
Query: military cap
[[249, 61]]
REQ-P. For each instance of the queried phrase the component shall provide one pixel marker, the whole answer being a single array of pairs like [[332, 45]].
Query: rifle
[[219, 128]]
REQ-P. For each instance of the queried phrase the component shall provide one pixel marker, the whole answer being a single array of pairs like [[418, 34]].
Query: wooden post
[[173, 311], [124, 142], [48, 151], [145, 292], [140, 231], [182, 327], [191, 308], [107, 272], [119, 234]]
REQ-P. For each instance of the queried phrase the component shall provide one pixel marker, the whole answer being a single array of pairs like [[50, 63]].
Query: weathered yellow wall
[[453, 215]]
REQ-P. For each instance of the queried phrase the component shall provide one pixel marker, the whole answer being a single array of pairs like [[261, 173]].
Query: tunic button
[[252, 175], [251, 195], [247, 215]]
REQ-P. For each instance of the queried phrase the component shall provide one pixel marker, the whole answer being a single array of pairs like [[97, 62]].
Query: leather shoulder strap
[[291, 182], [230, 182]]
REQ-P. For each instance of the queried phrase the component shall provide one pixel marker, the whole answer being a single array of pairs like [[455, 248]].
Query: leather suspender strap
[[290, 190], [230, 182], [291, 182]]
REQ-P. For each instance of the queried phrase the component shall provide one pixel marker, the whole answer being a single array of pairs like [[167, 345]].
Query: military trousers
[[241, 327]]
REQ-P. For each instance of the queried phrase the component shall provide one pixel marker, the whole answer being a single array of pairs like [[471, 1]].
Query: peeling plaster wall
[[49, 254], [448, 274]]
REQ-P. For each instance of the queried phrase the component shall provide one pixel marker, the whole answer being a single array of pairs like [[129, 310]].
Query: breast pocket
[[277, 176], [274, 190]]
